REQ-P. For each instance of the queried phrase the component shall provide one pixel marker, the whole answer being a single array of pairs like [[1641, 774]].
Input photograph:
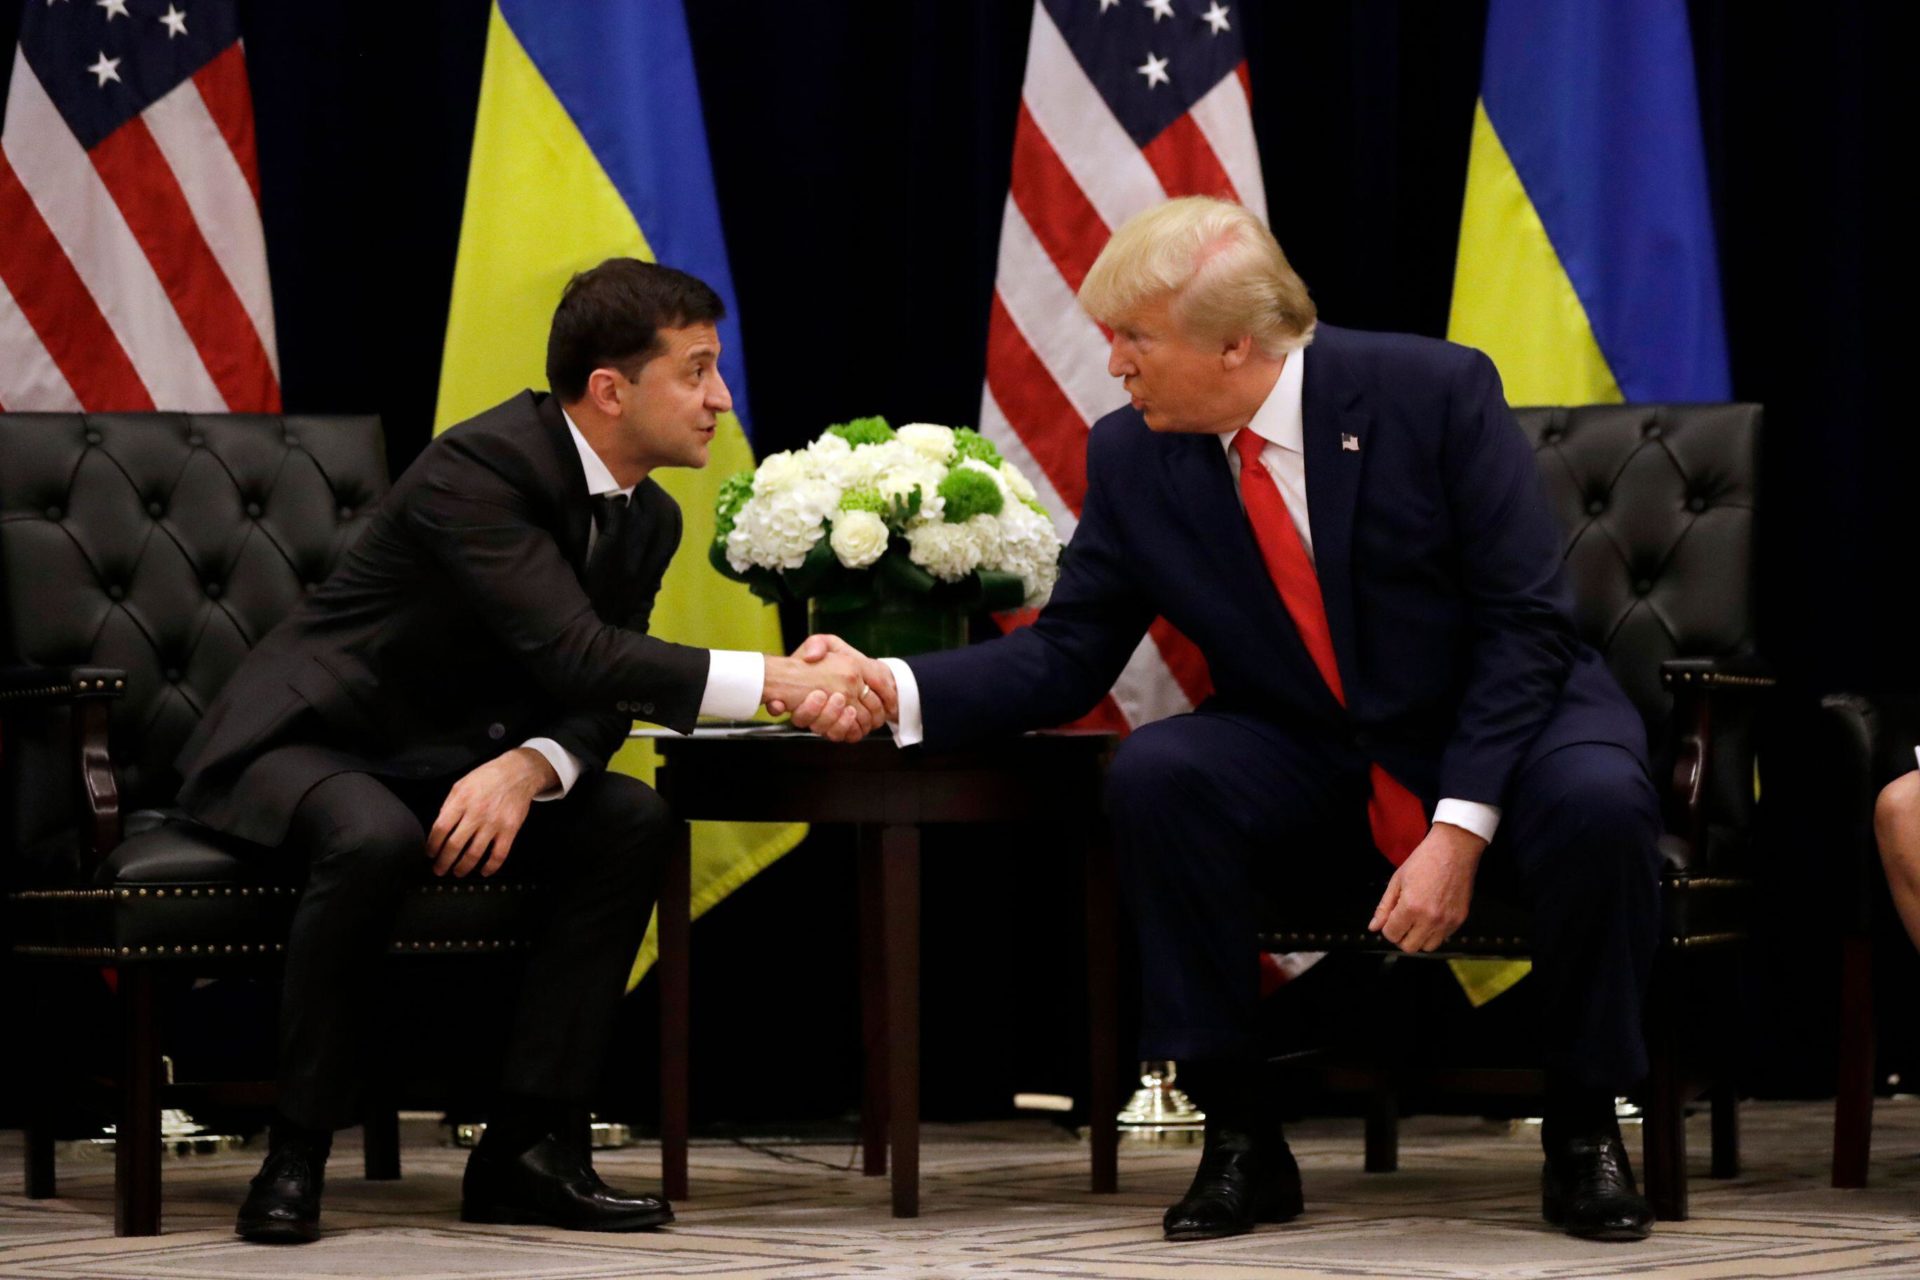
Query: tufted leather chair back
[[167, 545], [1658, 503]]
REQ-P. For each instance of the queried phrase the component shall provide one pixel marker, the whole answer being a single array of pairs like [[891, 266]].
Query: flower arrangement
[[866, 512]]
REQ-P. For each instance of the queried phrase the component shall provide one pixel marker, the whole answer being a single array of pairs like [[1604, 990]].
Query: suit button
[[621, 706], [1363, 740], [496, 731], [646, 708]]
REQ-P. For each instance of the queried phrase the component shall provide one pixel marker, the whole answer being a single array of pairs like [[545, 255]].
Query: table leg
[[676, 1004], [1103, 1014], [873, 1004], [900, 921]]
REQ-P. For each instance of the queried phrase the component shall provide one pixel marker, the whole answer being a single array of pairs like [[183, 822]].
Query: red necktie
[[1394, 814]]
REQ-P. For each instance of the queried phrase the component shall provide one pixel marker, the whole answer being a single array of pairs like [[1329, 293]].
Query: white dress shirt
[[1280, 422], [734, 679]]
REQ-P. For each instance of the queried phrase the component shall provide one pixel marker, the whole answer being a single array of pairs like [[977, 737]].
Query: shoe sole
[[1556, 1216], [500, 1216], [1283, 1209], [277, 1233]]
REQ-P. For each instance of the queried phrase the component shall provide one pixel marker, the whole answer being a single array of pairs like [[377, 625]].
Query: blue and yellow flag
[[589, 144], [1587, 268]]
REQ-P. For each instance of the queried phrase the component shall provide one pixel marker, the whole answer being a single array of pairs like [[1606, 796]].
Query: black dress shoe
[[551, 1184], [1242, 1180], [1587, 1188], [283, 1201]]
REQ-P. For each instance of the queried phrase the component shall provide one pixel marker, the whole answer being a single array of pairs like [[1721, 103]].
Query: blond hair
[[1222, 267]]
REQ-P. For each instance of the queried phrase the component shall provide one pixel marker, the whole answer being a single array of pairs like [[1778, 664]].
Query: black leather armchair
[[141, 556], [1658, 503]]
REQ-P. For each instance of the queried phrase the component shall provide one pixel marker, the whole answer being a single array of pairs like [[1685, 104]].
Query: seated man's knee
[[1157, 765], [1608, 809], [364, 833]]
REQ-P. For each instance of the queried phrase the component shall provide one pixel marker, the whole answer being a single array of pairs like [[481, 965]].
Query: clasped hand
[[831, 688]]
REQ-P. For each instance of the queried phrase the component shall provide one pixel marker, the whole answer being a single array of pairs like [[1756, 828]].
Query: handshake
[[831, 688]]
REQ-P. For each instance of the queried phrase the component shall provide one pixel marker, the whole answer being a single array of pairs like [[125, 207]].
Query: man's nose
[[1119, 362], [719, 399]]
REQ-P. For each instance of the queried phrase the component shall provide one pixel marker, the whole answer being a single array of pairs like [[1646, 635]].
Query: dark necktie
[[1395, 815], [610, 515]]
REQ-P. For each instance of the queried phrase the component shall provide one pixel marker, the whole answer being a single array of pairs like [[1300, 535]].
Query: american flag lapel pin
[[1350, 443]]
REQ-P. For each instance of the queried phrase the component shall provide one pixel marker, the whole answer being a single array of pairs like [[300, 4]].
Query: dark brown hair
[[611, 317]]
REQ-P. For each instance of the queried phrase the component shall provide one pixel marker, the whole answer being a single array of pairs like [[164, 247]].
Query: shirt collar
[[1279, 419], [600, 481]]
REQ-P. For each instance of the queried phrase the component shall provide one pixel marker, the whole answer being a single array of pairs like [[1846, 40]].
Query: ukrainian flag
[[589, 144], [1587, 267]]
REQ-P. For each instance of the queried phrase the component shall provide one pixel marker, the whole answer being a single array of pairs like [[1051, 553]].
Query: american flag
[[1125, 104], [133, 271]]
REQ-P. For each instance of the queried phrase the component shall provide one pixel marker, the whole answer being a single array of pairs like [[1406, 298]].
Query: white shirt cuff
[[1481, 819], [735, 681], [565, 765], [908, 729]]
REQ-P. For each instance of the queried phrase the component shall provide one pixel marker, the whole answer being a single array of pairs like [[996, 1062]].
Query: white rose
[[826, 453], [947, 551], [934, 441], [1017, 484], [779, 471], [859, 538]]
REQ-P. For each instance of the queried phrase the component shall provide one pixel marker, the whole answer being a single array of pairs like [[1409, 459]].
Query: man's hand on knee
[[1428, 897], [485, 810]]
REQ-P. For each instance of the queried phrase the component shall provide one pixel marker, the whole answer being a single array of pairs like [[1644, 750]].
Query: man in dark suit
[[1353, 534], [501, 596]]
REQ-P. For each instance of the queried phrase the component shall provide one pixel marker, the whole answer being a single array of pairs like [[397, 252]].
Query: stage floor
[[1008, 1200]]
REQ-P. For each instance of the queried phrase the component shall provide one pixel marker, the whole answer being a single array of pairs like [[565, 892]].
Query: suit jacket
[[457, 627], [1439, 562]]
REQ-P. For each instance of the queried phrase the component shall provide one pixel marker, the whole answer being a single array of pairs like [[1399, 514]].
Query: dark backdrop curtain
[[861, 153]]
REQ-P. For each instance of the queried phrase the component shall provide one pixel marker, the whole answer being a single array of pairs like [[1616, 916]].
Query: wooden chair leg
[[136, 1160], [380, 1130], [41, 1182], [676, 1008], [1383, 1130], [1665, 1124], [1726, 1131], [1853, 1096], [1103, 1015], [873, 1005], [900, 920]]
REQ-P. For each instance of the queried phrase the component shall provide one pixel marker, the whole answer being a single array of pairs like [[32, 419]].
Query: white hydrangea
[[947, 551], [1028, 545], [935, 442], [778, 530], [859, 538], [827, 453]]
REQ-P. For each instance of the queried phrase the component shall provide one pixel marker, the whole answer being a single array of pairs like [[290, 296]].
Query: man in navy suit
[[1350, 527]]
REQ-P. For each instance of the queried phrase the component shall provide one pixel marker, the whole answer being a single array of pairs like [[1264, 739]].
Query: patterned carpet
[[1011, 1201]]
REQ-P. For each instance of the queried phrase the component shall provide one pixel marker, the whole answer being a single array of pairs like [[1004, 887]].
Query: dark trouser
[[598, 855], [1213, 810]]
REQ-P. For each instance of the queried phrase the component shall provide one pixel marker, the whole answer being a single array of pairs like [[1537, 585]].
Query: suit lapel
[[1333, 439], [576, 516]]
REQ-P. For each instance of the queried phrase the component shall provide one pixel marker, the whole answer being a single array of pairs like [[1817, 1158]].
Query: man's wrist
[[536, 770], [1461, 840]]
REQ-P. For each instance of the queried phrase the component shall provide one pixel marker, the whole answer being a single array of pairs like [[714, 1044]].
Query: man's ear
[[1237, 352], [603, 391]]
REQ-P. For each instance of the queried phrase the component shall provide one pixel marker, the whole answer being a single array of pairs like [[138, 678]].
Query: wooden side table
[[767, 775]]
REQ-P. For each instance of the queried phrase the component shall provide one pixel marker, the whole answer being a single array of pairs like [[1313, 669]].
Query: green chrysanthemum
[[864, 500], [863, 431], [969, 493], [968, 443]]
